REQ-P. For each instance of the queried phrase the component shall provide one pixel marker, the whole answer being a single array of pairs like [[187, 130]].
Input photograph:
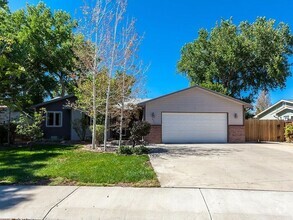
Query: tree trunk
[[113, 56], [94, 112], [8, 127], [122, 110], [106, 114]]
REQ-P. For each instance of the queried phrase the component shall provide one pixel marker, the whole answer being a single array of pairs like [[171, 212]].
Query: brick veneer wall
[[155, 135], [236, 134]]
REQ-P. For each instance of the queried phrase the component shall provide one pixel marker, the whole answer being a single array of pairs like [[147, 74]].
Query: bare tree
[[96, 23], [131, 66], [113, 50], [120, 9], [263, 102]]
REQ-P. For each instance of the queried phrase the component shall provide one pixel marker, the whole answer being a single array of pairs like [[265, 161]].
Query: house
[[195, 115], [60, 118], [4, 115], [132, 112], [58, 123], [282, 110]]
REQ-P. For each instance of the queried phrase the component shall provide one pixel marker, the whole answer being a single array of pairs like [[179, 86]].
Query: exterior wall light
[[153, 115], [235, 115]]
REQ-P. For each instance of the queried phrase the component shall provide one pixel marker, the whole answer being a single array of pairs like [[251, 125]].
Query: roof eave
[[259, 114], [51, 101], [245, 104]]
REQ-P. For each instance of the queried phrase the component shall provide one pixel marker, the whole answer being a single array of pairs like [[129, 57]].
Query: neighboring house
[[4, 115], [59, 118], [195, 115], [282, 110]]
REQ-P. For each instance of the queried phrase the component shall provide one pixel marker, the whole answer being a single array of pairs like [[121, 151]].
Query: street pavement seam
[[205, 204], [60, 202]]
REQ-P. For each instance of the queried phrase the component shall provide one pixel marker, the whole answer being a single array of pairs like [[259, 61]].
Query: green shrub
[[289, 132], [99, 133], [128, 150], [30, 127], [140, 150], [139, 130]]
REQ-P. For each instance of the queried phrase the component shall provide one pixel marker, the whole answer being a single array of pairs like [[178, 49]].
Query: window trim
[[54, 116]]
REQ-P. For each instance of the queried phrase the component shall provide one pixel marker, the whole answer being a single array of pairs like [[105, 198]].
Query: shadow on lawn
[[20, 165], [181, 151]]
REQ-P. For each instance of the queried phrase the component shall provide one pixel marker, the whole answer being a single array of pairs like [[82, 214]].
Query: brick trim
[[155, 135], [236, 133]]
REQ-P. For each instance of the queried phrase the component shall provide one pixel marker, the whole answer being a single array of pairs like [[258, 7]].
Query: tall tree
[[3, 3], [96, 29], [263, 102], [119, 10], [35, 53], [103, 25], [132, 73], [239, 60]]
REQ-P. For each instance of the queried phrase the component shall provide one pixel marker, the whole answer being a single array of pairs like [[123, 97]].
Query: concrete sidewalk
[[69, 202]]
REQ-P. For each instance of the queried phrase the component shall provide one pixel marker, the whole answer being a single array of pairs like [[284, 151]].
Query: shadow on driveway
[[182, 150]]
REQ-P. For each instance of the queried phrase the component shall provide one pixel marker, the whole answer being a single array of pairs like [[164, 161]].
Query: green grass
[[70, 165]]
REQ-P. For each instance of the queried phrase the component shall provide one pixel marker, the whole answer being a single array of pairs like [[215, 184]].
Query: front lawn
[[70, 165]]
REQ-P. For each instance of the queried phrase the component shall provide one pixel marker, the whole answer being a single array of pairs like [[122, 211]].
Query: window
[[286, 118], [54, 119]]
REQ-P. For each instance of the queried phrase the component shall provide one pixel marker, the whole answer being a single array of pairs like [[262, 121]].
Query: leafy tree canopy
[[36, 54], [3, 4], [239, 60]]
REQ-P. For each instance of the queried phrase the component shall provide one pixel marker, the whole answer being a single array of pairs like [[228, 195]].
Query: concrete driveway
[[232, 166]]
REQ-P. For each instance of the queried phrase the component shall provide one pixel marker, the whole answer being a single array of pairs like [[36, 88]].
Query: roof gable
[[58, 99], [203, 89], [276, 105]]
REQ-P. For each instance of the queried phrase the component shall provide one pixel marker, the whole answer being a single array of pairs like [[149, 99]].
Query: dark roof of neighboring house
[[208, 90], [57, 99], [277, 103]]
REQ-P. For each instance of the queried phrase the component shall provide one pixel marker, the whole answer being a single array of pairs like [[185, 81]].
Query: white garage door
[[194, 127]]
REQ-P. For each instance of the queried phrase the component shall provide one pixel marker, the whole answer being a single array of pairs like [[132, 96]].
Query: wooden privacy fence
[[264, 130]]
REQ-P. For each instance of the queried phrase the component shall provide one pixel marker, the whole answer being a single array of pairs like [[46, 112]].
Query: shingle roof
[[208, 90], [52, 101]]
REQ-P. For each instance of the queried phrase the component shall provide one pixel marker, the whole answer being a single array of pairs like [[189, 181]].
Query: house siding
[[63, 132], [193, 100], [77, 115]]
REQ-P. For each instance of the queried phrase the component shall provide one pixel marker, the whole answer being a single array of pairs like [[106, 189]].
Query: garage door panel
[[194, 127]]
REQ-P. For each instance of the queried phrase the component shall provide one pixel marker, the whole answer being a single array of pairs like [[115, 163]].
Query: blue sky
[[169, 24]]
